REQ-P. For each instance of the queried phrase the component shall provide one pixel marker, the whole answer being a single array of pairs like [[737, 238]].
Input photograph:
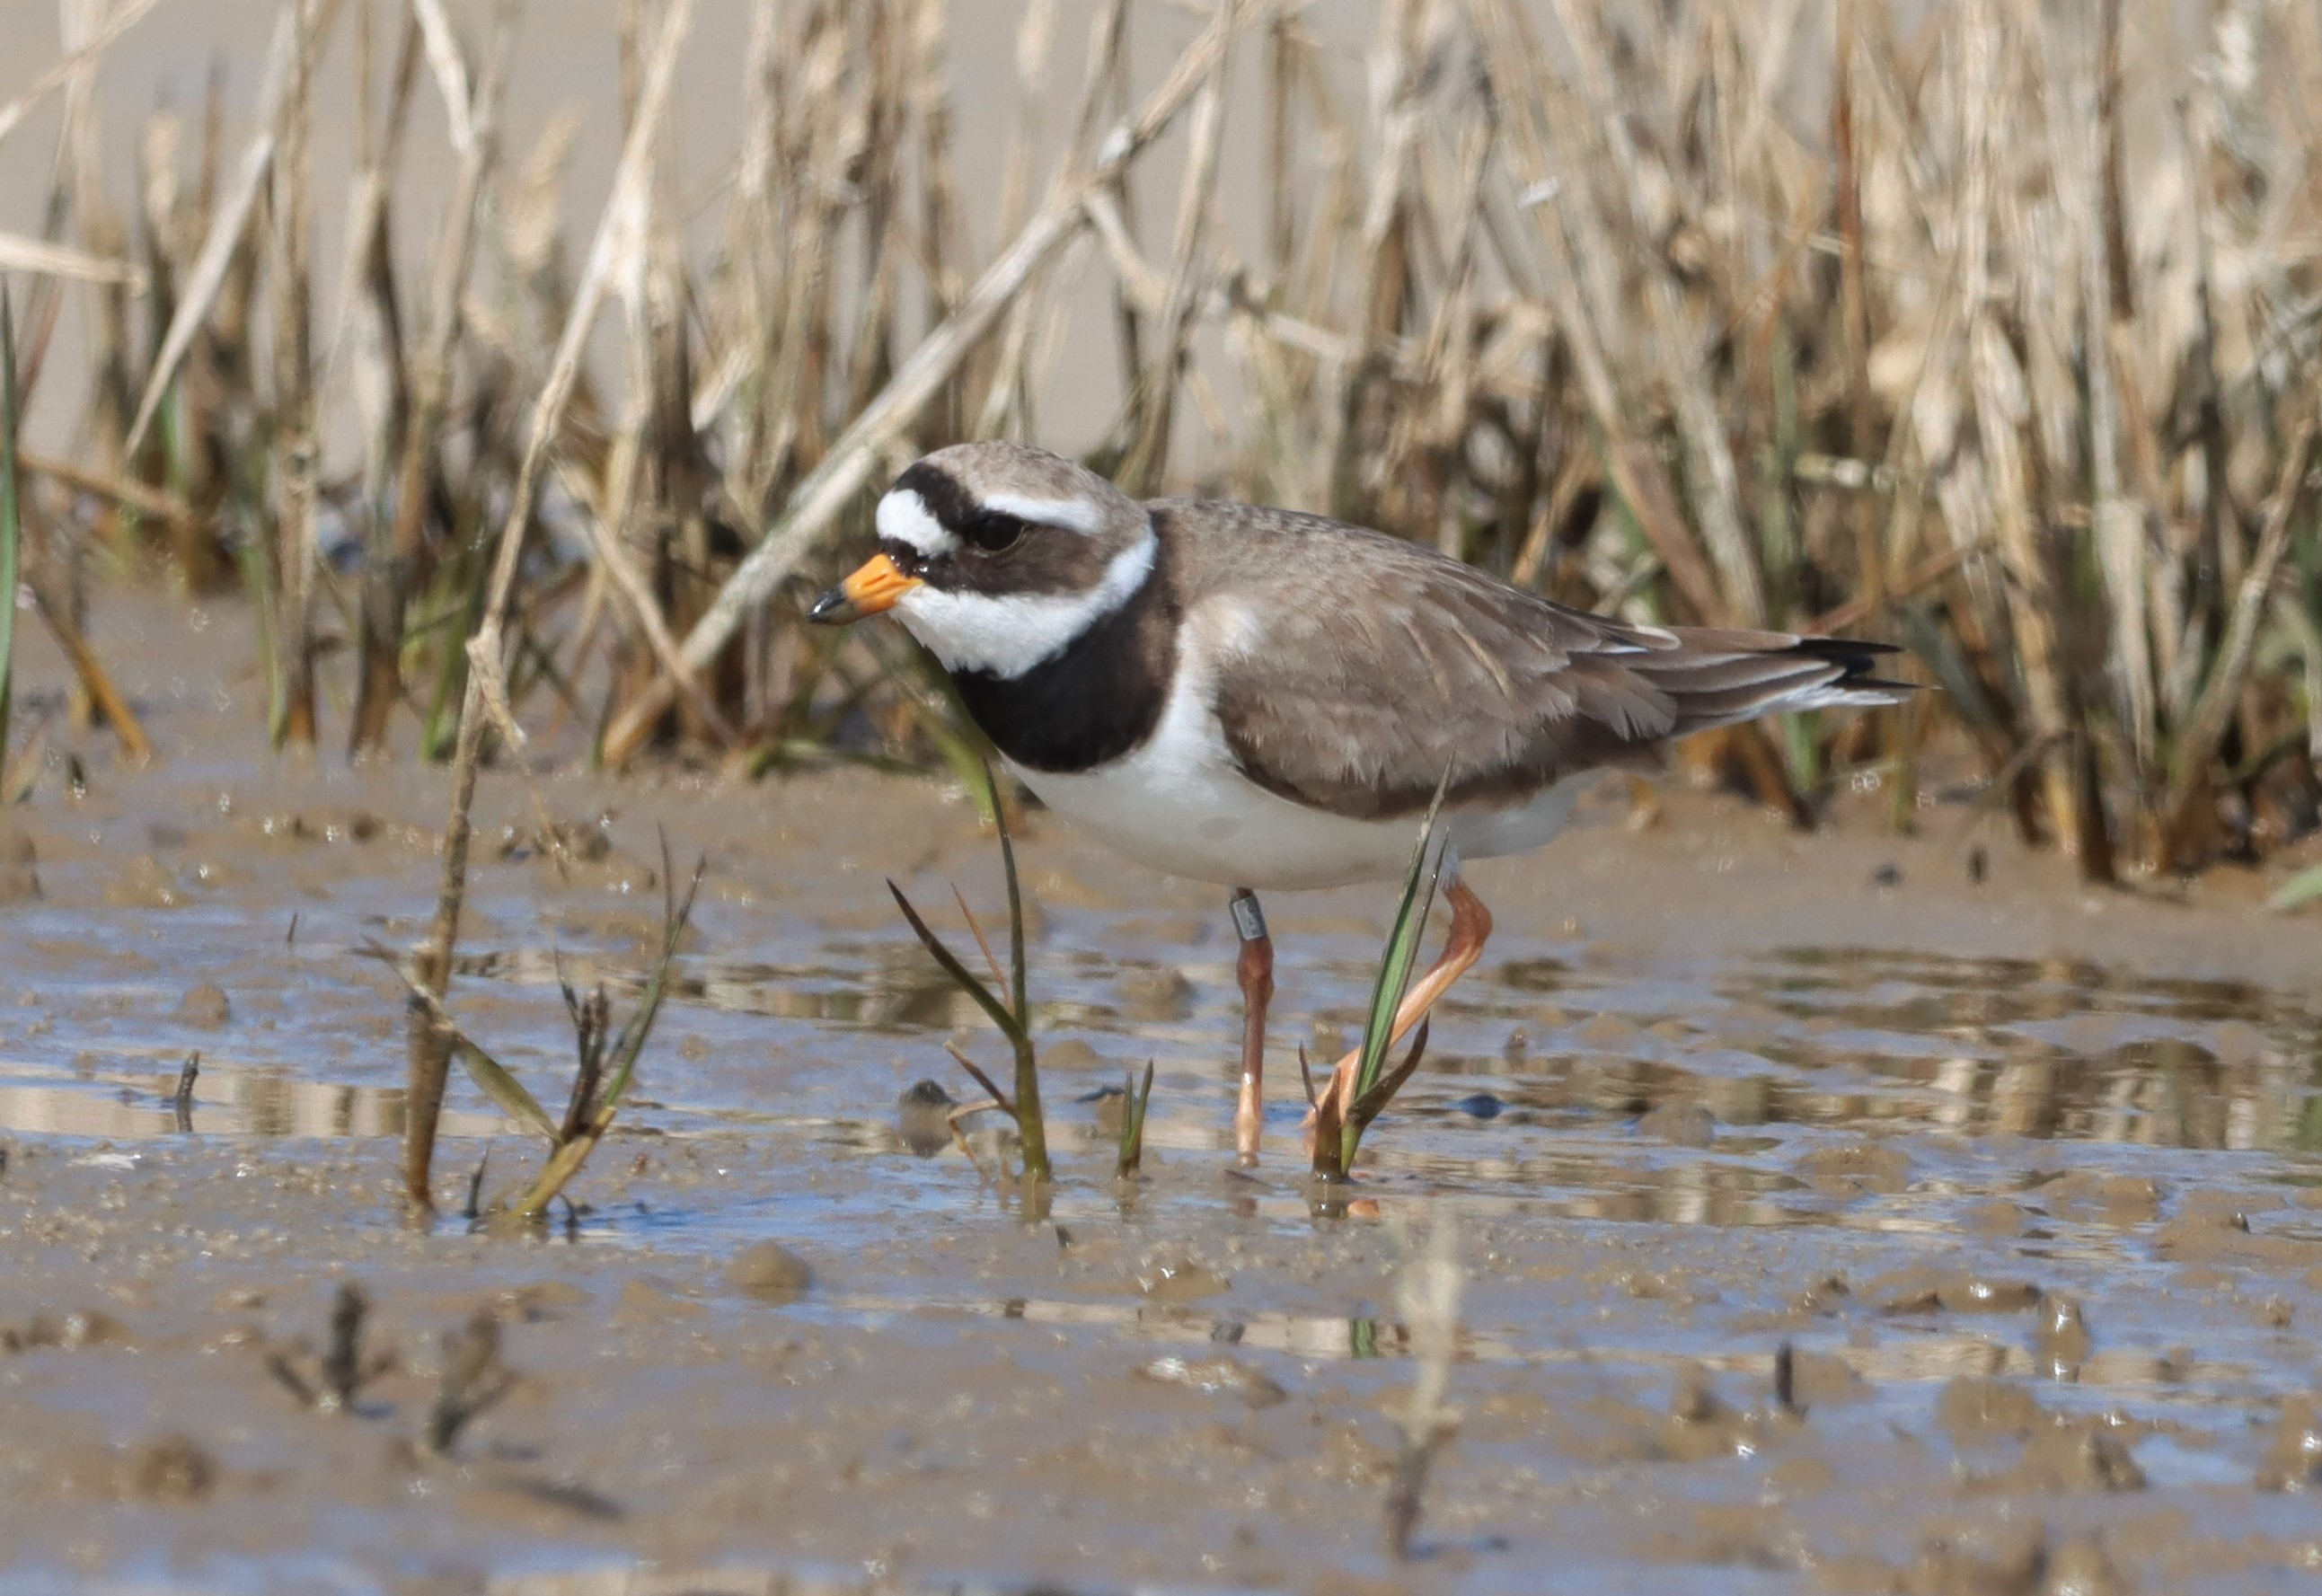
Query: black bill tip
[[833, 607]]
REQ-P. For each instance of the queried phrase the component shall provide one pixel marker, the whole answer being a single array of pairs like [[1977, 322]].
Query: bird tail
[[1721, 678]]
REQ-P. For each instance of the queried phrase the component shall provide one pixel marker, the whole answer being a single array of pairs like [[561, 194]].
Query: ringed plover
[[1260, 699]]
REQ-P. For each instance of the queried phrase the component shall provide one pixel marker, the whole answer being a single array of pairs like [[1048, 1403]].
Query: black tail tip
[[1857, 658]]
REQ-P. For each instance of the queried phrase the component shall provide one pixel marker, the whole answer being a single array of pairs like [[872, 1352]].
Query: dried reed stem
[[208, 276], [857, 452], [624, 210], [2213, 711], [391, 573]]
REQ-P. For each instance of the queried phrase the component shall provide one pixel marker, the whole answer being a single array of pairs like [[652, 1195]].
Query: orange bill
[[875, 586]]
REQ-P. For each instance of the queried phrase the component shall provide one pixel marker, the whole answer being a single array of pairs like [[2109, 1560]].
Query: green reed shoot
[[10, 522], [1134, 1100], [1339, 1132], [1013, 1013]]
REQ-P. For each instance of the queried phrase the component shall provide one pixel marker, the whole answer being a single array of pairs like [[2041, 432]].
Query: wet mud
[[1830, 1219]]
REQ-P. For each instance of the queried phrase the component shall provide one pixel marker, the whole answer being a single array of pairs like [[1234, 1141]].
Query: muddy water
[[2028, 1182]]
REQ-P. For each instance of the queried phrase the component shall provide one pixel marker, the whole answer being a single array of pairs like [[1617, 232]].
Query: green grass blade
[[507, 1092], [11, 524], [1132, 1123], [1394, 970], [960, 974], [676, 916], [1402, 950], [1018, 1000]]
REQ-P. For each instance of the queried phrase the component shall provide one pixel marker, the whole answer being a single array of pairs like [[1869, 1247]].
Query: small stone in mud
[[20, 882], [1996, 1218], [1681, 1124], [2080, 1568], [1218, 1376], [1983, 1560], [1156, 993], [922, 1118], [1864, 1167], [205, 1007], [2081, 1456], [2061, 1336], [1827, 1295], [769, 1272], [1695, 1399], [1480, 1104], [1977, 1408], [1071, 1054], [2293, 1459], [2085, 1195], [2208, 1235], [1700, 1423], [174, 1469], [1824, 1380], [1887, 875], [1924, 1288]]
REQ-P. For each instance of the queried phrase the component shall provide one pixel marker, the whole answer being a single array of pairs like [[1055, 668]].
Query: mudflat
[[1831, 1214]]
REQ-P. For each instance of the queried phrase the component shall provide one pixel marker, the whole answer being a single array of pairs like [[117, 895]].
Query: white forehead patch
[[1068, 514], [1007, 634], [903, 515]]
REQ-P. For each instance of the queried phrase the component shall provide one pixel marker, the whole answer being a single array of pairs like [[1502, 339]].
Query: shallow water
[[2027, 1184]]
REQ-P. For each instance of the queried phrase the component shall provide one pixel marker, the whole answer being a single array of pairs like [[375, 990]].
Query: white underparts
[[1007, 634], [1179, 803]]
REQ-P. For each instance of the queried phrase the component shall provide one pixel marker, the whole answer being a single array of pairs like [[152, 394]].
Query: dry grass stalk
[[2205, 729], [624, 210], [845, 470], [208, 275], [608, 1060], [1678, 349], [34, 255], [294, 447], [12, 521], [75, 64], [112, 705], [1975, 362], [1152, 404], [396, 564]]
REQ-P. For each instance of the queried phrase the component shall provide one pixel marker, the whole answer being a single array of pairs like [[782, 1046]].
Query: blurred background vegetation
[[1990, 329]]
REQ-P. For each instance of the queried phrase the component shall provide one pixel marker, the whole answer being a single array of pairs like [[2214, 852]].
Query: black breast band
[[1097, 698]]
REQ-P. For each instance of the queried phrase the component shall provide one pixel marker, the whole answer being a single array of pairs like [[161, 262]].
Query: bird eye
[[992, 531]]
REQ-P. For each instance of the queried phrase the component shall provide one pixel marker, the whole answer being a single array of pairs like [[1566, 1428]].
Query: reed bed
[[1996, 335]]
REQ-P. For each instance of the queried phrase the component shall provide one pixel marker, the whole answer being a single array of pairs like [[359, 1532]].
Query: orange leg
[[1256, 970], [1471, 927]]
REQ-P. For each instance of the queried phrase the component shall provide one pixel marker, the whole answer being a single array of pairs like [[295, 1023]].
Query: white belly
[[1178, 804]]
